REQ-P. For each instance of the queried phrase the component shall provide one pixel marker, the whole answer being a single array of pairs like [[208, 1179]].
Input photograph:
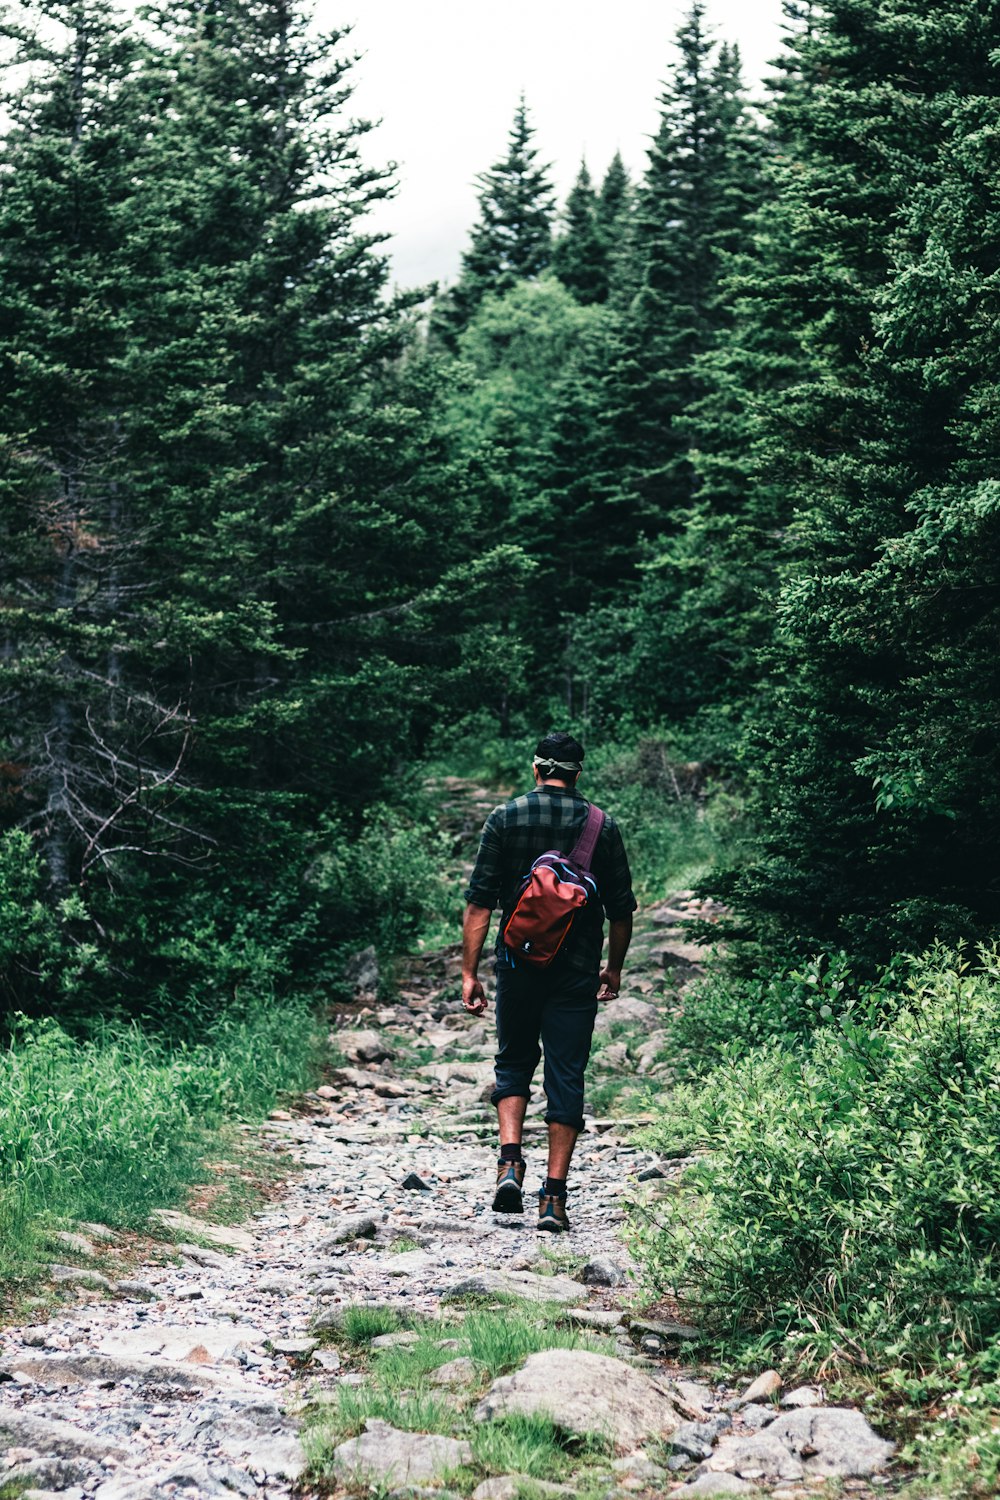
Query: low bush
[[849, 1191]]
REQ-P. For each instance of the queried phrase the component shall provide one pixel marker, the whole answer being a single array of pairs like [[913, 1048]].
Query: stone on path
[[76, 1244], [80, 1276], [456, 1372], [804, 1395], [178, 1341], [515, 1284], [715, 1484], [603, 1271], [604, 1318], [54, 1370], [584, 1393], [834, 1441], [767, 1384], [383, 1454], [639, 1013], [226, 1236], [363, 1046], [361, 974], [669, 1335], [511, 1486], [50, 1436], [350, 1227]]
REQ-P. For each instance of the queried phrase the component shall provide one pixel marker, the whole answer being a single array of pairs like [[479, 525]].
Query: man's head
[[558, 757]]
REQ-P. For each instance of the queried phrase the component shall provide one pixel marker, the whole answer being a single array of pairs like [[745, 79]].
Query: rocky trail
[[222, 1366]]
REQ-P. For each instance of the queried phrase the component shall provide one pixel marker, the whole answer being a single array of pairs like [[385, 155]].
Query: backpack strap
[[585, 846]]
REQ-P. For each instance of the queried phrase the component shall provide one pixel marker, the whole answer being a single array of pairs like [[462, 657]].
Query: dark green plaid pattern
[[513, 837]]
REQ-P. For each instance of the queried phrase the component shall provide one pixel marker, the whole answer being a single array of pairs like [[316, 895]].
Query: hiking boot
[[552, 1212], [509, 1198]]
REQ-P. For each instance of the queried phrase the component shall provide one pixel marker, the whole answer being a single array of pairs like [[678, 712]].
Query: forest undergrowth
[[842, 1215]]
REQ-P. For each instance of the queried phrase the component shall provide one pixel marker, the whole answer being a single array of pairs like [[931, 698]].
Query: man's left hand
[[611, 983]]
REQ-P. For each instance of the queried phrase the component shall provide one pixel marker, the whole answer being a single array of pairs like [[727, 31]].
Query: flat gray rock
[[82, 1369], [762, 1458], [184, 1226], [128, 1487], [80, 1276], [383, 1454], [832, 1440], [584, 1393], [460, 1371], [61, 1439], [803, 1395], [603, 1318], [515, 1284], [510, 1486], [368, 1046], [715, 1484], [350, 1227]]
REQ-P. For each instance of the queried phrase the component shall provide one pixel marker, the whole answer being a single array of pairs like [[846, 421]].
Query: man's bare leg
[[562, 1139], [511, 1114]]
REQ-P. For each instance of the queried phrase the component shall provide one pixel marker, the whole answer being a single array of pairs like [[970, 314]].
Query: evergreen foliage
[[512, 240], [871, 759]]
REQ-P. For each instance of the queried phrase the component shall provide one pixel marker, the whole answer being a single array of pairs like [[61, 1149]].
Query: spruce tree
[[512, 240], [619, 460], [93, 750], [580, 253], [873, 764]]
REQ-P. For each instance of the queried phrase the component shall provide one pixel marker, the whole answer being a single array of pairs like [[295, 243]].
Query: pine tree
[[701, 183], [94, 750], [512, 241], [579, 255], [619, 459], [876, 818], [225, 495]]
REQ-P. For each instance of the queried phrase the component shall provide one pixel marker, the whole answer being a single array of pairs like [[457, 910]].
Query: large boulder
[[584, 1394], [829, 1442], [383, 1455], [834, 1441]]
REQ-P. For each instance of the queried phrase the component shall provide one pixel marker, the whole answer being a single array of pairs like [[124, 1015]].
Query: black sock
[[554, 1187], [511, 1153]]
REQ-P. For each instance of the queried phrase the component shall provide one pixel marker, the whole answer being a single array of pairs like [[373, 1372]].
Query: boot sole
[[509, 1200], [552, 1226]]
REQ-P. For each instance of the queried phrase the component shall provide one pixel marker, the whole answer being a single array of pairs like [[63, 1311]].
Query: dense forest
[[702, 465]]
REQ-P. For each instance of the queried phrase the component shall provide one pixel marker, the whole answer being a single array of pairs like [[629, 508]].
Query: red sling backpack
[[554, 891]]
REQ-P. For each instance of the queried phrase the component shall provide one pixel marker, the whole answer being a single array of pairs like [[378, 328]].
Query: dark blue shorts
[[545, 1012]]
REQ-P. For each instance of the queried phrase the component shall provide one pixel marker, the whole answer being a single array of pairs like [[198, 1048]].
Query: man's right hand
[[473, 995], [611, 983]]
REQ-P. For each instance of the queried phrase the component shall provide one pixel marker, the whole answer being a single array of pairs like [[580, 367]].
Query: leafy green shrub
[[382, 882], [726, 1014], [854, 1188]]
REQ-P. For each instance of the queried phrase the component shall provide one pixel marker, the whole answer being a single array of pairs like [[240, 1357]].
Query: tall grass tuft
[[109, 1127]]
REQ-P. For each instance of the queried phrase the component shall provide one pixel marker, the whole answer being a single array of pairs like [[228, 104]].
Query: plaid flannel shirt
[[517, 832]]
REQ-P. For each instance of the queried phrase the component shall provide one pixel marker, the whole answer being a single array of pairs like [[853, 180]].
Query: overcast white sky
[[444, 75]]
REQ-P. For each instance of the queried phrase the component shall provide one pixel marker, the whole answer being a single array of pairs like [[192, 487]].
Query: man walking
[[554, 1006]]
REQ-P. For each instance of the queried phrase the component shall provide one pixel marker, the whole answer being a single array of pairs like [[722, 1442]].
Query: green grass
[[362, 1324], [113, 1126], [520, 1445], [402, 1244], [397, 1390]]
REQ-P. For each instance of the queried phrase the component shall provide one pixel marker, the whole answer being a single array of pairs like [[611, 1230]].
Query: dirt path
[[190, 1380]]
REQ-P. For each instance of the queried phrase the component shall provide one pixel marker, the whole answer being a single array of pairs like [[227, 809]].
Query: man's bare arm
[[475, 926], [619, 937]]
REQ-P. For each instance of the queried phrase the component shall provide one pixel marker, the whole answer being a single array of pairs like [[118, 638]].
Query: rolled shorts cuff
[[577, 1124], [510, 1091]]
